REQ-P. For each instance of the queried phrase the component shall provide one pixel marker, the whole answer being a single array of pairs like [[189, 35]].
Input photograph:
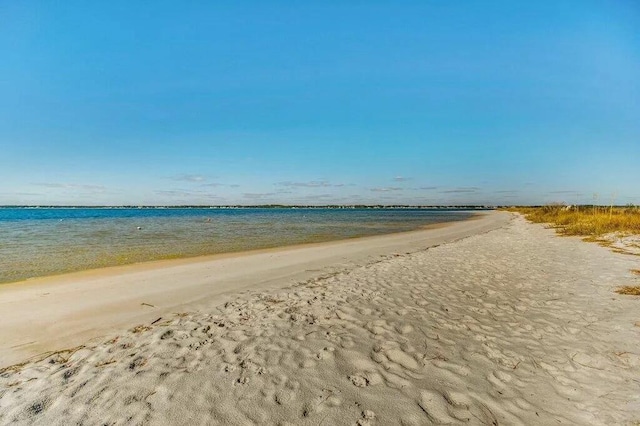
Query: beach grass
[[589, 221], [631, 290]]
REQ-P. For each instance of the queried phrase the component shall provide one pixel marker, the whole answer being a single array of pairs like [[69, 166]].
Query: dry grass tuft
[[632, 290], [592, 221], [140, 329]]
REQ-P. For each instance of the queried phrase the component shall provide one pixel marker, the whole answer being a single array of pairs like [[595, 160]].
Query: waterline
[[40, 242]]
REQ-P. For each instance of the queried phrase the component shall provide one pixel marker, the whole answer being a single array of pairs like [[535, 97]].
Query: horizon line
[[142, 206]]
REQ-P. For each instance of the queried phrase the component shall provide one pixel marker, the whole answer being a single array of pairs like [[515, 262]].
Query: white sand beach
[[490, 321]]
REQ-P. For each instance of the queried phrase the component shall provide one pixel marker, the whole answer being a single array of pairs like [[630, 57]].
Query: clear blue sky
[[425, 102]]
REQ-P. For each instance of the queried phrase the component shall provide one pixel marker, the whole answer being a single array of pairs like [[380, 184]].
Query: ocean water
[[45, 241]]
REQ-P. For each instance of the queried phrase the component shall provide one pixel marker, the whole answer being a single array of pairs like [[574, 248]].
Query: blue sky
[[426, 102]]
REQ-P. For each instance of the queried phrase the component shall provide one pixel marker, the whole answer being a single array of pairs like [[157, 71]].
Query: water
[[46, 241]]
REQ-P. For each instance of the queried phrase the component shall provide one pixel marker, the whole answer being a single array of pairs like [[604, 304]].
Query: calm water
[[38, 242]]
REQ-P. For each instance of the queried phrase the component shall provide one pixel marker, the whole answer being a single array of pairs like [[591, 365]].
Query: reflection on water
[[38, 242]]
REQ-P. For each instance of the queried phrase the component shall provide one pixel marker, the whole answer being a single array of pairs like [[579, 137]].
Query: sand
[[54, 313], [493, 321]]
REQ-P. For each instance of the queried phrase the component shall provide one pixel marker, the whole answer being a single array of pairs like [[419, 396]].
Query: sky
[[331, 102]]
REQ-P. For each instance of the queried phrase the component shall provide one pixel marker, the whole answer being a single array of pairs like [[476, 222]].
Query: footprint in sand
[[359, 381], [434, 406], [284, 396], [367, 418], [393, 352]]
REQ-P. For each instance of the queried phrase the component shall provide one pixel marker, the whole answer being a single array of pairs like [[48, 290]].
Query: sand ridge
[[513, 326]]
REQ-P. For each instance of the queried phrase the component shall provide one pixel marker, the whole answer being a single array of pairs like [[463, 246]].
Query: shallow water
[[45, 241]]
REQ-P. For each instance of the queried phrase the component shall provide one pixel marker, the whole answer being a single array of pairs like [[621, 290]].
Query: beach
[[486, 321], [39, 242]]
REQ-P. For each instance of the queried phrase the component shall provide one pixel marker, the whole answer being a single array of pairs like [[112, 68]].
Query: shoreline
[[203, 256], [60, 311]]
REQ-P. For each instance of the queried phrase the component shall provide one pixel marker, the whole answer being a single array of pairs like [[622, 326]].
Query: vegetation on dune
[[590, 221]]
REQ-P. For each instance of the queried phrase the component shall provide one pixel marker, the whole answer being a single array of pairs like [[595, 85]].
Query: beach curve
[[53, 313]]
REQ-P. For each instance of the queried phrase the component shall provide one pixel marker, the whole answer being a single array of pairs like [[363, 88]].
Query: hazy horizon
[[206, 206], [423, 103]]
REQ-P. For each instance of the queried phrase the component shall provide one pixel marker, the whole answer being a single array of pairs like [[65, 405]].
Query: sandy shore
[[59, 312], [492, 321]]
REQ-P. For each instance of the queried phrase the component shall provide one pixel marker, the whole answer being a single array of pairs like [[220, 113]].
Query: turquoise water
[[45, 241]]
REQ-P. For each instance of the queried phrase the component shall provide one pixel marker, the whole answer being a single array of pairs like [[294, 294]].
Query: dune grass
[[631, 290], [591, 221]]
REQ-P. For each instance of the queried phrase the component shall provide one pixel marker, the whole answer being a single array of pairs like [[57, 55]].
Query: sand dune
[[511, 326]]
